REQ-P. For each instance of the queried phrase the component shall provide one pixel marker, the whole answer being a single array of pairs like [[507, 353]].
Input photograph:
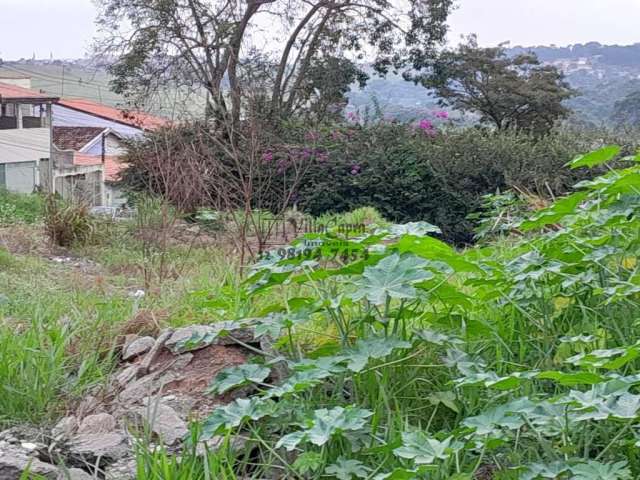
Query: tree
[[626, 112], [207, 43], [508, 92]]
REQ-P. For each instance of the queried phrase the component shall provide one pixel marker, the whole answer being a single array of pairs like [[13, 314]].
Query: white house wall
[[21, 177], [24, 145], [68, 117]]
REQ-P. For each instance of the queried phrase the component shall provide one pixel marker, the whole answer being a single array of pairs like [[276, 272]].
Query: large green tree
[[207, 43], [508, 92]]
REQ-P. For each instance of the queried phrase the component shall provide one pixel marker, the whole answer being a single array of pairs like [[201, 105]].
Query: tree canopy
[[211, 44], [509, 92]]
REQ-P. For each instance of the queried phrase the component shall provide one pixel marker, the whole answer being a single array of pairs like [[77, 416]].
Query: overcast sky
[[65, 27]]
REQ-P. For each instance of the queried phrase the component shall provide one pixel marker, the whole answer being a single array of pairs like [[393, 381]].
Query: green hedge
[[409, 175]]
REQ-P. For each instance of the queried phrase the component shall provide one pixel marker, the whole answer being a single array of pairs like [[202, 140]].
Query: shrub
[[67, 224], [410, 175], [19, 208]]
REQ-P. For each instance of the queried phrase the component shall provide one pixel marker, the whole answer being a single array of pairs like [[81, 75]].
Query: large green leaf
[[593, 470], [326, 423], [605, 154], [237, 376], [345, 469], [556, 212], [392, 277], [417, 446], [236, 413], [374, 348]]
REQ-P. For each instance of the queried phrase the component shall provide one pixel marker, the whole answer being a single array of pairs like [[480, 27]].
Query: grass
[[515, 357], [20, 208]]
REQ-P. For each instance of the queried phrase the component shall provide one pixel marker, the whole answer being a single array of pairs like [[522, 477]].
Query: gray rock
[[14, 461], [65, 428], [139, 389], [244, 335], [138, 347], [163, 421], [75, 474], [91, 446], [127, 375], [98, 423], [183, 334], [121, 470], [153, 354]]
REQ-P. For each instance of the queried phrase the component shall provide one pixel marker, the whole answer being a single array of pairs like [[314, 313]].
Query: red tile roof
[[126, 117], [13, 92], [74, 138], [113, 166]]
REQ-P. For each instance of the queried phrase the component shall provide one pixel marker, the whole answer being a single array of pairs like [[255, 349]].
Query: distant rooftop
[[131, 118], [74, 138], [26, 95]]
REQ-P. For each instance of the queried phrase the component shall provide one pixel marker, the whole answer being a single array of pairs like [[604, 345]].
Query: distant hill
[[602, 74]]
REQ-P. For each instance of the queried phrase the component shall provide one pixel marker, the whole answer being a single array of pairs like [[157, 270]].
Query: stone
[[65, 428], [244, 335], [214, 443], [137, 390], [75, 474], [91, 446], [121, 470], [98, 423], [183, 334], [155, 352], [127, 375], [14, 461], [163, 421], [138, 347], [88, 405]]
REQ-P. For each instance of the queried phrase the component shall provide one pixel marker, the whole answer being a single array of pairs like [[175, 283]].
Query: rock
[[244, 335], [138, 347], [88, 405], [14, 461], [137, 390], [127, 375], [98, 423], [121, 470], [30, 447], [163, 421], [183, 334], [155, 352], [214, 443], [65, 428], [74, 474], [91, 446]]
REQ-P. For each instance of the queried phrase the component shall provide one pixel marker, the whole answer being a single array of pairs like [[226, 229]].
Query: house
[[88, 164], [95, 134], [70, 112], [25, 137], [71, 147]]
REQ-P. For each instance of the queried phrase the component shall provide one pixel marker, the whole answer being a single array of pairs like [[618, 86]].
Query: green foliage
[[507, 92], [408, 176], [437, 364], [20, 208], [68, 224]]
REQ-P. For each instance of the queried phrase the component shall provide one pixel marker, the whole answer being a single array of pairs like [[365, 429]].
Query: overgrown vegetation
[[515, 362]]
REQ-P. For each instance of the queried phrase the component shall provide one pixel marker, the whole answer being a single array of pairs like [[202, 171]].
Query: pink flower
[[267, 156], [355, 169], [425, 125], [442, 115]]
